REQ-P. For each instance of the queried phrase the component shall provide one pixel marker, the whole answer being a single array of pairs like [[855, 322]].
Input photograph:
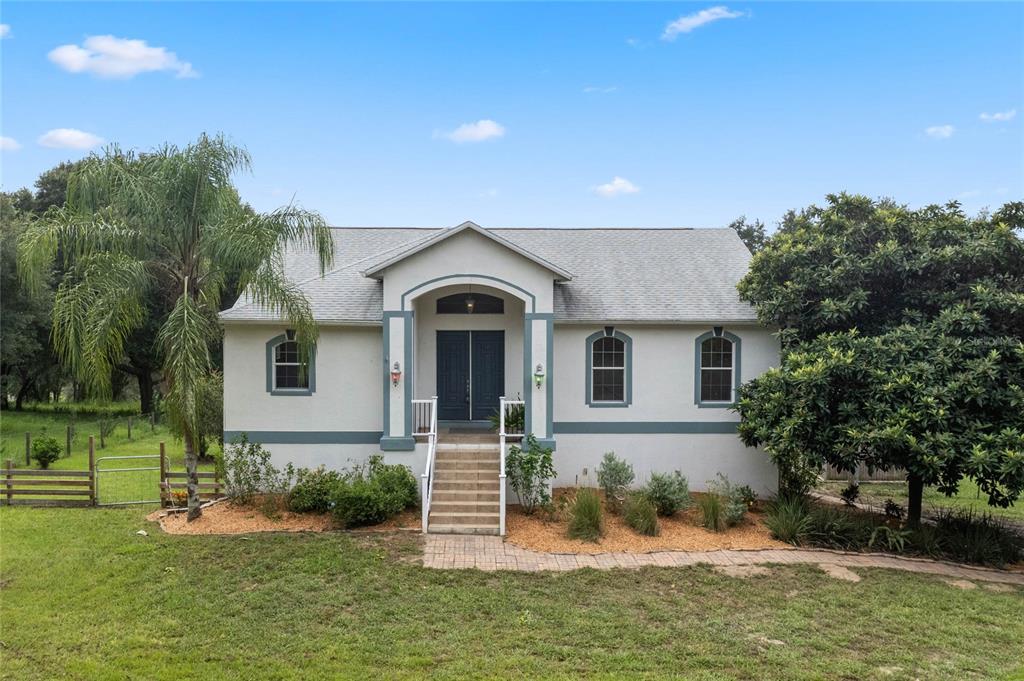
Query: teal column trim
[[406, 442], [717, 332], [311, 369], [628, 350], [527, 373]]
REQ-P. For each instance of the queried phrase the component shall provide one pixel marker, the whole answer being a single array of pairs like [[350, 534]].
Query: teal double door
[[470, 374]]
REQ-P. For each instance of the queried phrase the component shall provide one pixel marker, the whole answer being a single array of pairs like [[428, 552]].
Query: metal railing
[[505, 434], [425, 425]]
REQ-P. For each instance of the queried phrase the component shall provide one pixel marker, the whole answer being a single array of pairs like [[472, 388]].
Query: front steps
[[466, 495]]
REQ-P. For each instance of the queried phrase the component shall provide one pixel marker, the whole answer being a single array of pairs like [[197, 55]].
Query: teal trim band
[[717, 332], [532, 298], [628, 378], [550, 397], [397, 444], [407, 370], [646, 427], [284, 392], [307, 437], [548, 442]]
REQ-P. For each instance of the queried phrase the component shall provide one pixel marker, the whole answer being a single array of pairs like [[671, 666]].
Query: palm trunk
[[191, 469]]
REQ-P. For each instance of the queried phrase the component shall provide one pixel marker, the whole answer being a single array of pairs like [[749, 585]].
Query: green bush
[[45, 450], [85, 408], [788, 518], [713, 512], [247, 472], [669, 492], [850, 494], [735, 501], [371, 494], [971, 537], [836, 528], [614, 475], [515, 414], [530, 470], [314, 490], [641, 515], [586, 521]]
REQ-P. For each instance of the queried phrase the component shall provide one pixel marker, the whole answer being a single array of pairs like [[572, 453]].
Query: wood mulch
[[681, 532], [228, 518]]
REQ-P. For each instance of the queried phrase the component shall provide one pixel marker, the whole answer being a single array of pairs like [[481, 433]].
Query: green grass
[[968, 496], [84, 597]]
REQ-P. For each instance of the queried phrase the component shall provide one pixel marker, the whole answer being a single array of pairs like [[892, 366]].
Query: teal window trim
[[627, 393], [289, 392], [717, 332]]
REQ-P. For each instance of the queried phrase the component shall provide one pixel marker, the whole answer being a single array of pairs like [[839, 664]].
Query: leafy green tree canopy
[[750, 233], [902, 344]]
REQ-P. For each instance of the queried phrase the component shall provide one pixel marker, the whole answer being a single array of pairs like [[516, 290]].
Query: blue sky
[[748, 108]]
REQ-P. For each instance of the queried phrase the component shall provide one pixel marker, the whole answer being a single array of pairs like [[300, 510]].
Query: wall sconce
[[538, 375], [396, 374]]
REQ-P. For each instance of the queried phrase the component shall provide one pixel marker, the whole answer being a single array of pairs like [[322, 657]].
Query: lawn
[[84, 596], [968, 496]]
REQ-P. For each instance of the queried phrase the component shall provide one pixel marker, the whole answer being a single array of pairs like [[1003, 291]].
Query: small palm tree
[[162, 234]]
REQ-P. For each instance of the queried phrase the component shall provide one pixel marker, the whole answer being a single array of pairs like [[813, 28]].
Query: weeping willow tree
[[165, 226]]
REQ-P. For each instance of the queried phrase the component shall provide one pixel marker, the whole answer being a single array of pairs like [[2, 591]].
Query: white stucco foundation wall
[[342, 457]]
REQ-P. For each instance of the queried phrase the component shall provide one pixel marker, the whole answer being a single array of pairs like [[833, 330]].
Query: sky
[[535, 115]]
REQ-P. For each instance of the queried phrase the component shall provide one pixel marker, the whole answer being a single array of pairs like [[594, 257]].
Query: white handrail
[[502, 437], [427, 479]]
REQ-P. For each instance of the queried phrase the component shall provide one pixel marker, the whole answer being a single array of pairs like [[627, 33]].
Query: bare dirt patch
[[839, 572], [681, 532], [744, 571]]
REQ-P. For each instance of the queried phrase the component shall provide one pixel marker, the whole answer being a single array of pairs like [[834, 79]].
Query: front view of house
[[626, 340]]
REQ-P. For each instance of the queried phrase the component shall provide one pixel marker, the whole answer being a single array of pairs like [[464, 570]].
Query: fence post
[[163, 474], [129, 427], [92, 472], [10, 465], [67, 442], [152, 422], [28, 449]]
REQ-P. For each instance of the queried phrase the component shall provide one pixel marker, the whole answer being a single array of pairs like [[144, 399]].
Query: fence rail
[[26, 482], [863, 475], [174, 484]]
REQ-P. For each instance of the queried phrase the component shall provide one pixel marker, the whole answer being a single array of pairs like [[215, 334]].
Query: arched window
[[717, 368], [470, 303], [288, 372], [609, 367]]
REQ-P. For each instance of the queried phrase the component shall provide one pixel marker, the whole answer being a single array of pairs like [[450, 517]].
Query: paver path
[[453, 551]]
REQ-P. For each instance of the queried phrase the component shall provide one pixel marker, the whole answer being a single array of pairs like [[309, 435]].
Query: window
[[609, 364], [470, 303], [288, 372], [717, 368]]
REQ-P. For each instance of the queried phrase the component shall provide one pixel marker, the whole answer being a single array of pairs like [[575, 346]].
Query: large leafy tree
[[165, 225], [903, 345]]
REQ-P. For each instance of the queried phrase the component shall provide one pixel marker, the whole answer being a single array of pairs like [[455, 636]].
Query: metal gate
[[125, 486]]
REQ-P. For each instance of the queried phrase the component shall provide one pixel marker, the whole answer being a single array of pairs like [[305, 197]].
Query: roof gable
[[376, 266]]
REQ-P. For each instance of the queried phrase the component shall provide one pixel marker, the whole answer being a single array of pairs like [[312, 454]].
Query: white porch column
[[538, 351], [397, 347]]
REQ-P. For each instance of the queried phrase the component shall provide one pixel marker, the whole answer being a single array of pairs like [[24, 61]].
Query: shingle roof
[[620, 275]]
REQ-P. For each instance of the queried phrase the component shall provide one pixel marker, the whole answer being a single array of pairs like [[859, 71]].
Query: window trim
[[627, 393], [717, 332], [288, 392]]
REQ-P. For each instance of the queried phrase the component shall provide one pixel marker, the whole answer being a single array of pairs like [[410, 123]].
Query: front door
[[470, 374]]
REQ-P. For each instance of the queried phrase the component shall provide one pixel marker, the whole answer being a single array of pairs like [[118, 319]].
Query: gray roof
[[618, 275]]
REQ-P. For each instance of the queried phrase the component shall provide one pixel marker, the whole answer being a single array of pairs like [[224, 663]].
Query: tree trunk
[[191, 468], [23, 389], [146, 391], [915, 493]]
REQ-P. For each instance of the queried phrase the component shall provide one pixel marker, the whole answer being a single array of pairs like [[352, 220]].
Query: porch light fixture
[[538, 375], [396, 374], [470, 301]]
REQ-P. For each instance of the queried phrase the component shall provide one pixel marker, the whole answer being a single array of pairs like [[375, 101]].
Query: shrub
[[515, 415], [314, 490], [614, 475], [373, 493], [889, 538], [45, 450], [585, 518], [640, 514], [850, 494], [529, 472], [712, 511], [788, 519], [838, 528], [735, 501], [928, 540], [247, 471], [668, 492], [971, 537], [893, 510]]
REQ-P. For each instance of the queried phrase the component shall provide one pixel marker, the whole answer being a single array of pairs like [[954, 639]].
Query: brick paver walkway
[[451, 551]]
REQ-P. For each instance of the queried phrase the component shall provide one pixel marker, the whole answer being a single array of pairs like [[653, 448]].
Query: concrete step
[[473, 485], [448, 447], [465, 495], [463, 517], [469, 465], [465, 476], [468, 455], [478, 507], [464, 529]]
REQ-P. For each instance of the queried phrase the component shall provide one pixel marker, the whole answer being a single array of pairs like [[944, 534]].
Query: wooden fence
[[72, 488], [862, 475], [174, 485]]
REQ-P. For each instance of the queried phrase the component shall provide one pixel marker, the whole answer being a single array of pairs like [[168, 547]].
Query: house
[[625, 340]]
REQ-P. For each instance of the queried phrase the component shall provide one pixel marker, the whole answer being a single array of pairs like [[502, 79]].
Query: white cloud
[[940, 132], [489, 193], [9, 144], [69, 138], [618, 186], [5, 30], [999, 116], [591, 89], [689, 22], [474, 132], [105, 56]]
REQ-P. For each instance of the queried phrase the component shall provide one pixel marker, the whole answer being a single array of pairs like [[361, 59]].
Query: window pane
[[287, 352], [716, 353], [716, 385], [609, 385], [609, 352]]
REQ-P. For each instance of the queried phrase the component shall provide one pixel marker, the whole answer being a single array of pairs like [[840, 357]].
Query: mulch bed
[[681, 532], [227, 518]]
